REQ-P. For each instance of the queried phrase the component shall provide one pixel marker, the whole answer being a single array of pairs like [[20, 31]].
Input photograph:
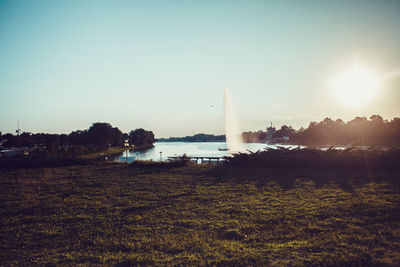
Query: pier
[[202, 159]]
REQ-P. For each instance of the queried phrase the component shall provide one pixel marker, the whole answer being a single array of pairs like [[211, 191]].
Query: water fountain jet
[[233, 137]]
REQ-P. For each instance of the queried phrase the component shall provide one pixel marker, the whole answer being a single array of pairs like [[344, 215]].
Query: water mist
[[233, 136]]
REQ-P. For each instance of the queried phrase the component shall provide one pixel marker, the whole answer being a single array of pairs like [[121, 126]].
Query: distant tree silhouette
[[284, 131], [201, 137], [98, 135], [78, 138], [103, 134], [12, 140], [374, 131], [254, 137], [125, 136], [141, 138]]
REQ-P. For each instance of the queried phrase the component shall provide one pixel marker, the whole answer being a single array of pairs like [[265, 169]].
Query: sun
[[356, 87]]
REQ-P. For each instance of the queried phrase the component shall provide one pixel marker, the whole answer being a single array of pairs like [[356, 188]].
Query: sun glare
[[356, 87]]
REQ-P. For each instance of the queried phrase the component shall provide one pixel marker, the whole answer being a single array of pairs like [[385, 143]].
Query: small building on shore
[[270, 133]]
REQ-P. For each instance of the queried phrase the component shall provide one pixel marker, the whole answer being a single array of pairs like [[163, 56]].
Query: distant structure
[[275, 140], [18, 131], [270, 132]]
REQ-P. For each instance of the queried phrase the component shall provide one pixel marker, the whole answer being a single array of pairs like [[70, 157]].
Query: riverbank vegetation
[[374, 131], [225, 214], [310, 158], [360, 131], [100, 137], [201, 137], [141, 139]]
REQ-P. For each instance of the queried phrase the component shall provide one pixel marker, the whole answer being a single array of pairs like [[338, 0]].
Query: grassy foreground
[[110, 214]]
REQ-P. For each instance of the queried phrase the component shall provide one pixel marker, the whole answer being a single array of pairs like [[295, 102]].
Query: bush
[[316, 158]]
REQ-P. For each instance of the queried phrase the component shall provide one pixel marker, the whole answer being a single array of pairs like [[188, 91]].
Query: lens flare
[[356, 87]]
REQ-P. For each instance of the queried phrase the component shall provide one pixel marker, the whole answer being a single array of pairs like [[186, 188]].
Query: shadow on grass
[[148, 167], [37, 162], [344, 168]]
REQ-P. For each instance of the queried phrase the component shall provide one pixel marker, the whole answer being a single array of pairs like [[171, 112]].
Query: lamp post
[[127, 149], [160, 155]]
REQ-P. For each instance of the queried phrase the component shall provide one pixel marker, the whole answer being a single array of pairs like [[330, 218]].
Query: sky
[[163, 65]]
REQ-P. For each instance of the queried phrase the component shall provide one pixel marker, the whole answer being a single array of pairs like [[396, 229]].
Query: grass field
[[111, 214], [102, 154]]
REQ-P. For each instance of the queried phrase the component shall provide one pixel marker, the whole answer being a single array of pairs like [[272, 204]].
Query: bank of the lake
[[163, 150]]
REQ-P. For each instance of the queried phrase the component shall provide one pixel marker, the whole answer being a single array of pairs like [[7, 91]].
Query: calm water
[[171, 149]]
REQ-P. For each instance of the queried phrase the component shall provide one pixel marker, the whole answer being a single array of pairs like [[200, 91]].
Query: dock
[[202, 159]]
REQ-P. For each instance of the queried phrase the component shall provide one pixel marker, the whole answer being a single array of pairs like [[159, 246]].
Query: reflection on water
[[171, 149]]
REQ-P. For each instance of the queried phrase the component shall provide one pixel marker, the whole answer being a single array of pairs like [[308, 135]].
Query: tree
[[327, 122], [376, 119], [141, 137], [11, 140], [103, 134], [284, 131], [125, 136], [78, 138]]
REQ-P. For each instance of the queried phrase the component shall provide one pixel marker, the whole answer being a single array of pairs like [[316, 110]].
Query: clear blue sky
[[163, 65]]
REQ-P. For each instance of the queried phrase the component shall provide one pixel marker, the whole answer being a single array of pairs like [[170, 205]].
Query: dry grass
[[113, 214]]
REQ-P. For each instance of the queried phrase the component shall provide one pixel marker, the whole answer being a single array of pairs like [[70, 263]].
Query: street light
[[160, 155], [127, 145]]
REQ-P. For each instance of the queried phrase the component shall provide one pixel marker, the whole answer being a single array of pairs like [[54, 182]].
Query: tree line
[[201, 137], [374, 131], [100, 134]]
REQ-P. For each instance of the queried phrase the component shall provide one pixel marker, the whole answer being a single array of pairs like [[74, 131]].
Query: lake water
[[172, 149]]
